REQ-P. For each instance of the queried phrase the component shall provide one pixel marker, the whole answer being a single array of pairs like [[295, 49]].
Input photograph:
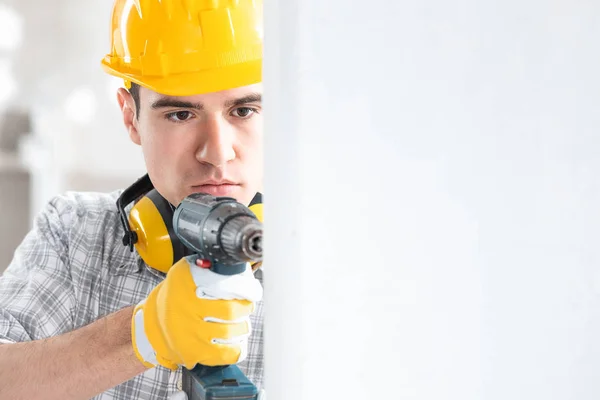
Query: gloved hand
[[195, 316]]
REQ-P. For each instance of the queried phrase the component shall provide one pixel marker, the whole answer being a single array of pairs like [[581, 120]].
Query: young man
[[82, 316]]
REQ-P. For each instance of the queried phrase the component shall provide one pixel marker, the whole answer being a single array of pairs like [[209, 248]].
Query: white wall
[[433, 188]]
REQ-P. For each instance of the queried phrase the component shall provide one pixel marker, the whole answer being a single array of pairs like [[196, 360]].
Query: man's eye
[[179, 116], [243, 112]]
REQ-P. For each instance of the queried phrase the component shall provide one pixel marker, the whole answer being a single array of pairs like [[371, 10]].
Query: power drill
[[229, 235]]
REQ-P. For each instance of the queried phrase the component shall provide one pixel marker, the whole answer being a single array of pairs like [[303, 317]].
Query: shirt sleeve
[[36, 292]]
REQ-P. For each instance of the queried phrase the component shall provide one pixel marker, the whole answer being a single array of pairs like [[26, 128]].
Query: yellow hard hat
[[186, 47]]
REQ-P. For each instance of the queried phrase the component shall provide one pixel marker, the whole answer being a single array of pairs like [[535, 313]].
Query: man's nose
[[216, 142]]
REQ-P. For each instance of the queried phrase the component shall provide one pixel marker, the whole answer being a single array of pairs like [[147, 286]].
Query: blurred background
[[60, 127]]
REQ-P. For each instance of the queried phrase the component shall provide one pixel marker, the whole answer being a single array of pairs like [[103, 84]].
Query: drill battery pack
[[218, 383]]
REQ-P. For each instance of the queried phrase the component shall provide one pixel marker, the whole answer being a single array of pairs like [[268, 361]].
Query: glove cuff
[[141, 345]]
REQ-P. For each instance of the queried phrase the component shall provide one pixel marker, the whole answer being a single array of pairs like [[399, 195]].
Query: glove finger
[[225, 310], [214, 332], [211, 285], [231, 288], [227, 354]]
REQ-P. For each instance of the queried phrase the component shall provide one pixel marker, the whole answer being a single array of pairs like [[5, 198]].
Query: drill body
[[228, 235]]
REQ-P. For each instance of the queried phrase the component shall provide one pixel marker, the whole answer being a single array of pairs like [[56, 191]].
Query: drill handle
[[218, 383]]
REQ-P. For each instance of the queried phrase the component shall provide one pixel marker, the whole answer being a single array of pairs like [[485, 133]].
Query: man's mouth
[[216, 188]]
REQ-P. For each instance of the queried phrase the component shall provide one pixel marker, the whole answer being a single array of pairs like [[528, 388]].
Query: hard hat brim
[[190, 84]]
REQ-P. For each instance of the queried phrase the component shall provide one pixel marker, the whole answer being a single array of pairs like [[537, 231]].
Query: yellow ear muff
[[151, 220], [257, 209]]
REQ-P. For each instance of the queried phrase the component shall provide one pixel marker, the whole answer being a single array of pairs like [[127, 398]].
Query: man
[[81, 315]]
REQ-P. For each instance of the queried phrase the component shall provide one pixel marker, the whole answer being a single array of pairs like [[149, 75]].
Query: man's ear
[[127, 106]]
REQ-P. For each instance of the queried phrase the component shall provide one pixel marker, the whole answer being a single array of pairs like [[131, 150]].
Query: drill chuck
[[241, 239]]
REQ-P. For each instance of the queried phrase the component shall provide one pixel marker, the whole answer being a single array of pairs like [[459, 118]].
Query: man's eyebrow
[[166, 102], [250, 98]]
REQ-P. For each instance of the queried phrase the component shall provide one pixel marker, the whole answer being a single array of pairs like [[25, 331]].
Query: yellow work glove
[[195, 316]]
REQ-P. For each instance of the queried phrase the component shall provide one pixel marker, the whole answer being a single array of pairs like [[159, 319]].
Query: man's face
[[210, 143]]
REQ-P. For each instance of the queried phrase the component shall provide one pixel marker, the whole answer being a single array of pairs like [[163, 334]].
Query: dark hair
[[135, 93]]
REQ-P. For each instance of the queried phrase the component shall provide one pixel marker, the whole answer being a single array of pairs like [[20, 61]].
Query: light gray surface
[[13, 125], [96, 183], [14, 207]]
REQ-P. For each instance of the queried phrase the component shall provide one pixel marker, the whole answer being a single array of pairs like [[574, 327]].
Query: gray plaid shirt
[[73, 269]]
